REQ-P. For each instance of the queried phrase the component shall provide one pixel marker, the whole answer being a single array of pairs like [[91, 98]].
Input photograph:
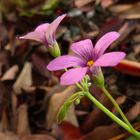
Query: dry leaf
[[129, 67], [14, 102], [82, 3], [70, 116], [69, 131], [136, 38], [14, 109], [4, 125], [120, 8], [8, 136], [40, 62], [137, 49], [10, 74], [106, 3], [134, 111], [128, 11], [97, 117], [38, 137], [124, 31], [120, 100], [55, 103], [24, 80], [55, 89], [102, 133], [84, 6], [4, 60], [22, 121]]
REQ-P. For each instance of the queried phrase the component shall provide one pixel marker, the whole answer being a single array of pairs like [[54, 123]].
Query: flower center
[[90, 63]]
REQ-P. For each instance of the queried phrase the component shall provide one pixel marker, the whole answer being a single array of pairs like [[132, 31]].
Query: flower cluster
[[86, 58]]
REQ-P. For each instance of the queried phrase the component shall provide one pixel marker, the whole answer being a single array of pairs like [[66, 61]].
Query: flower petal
[[42, 28], [63, 62], [73, 75], [83, 48], [109, 59], [104, 42], [52, 29], [33, 36]]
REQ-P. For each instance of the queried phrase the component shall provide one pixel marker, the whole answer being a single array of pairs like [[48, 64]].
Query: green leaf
[[50, 4], [63, 110], [132, 138]]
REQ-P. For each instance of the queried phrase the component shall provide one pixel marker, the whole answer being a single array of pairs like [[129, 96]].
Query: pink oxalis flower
[[45, 33], [86, 59]]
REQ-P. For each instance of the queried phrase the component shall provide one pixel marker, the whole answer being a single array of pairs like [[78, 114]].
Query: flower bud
[[54, 50], [98, 78], [77, 101]]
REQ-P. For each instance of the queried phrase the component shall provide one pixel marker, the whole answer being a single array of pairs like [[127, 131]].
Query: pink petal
[[109, 59], [73, 75], [42, 28], [104, 42], [38, 34], [33, 36], [83, 48], [52, 29], [63, 62]]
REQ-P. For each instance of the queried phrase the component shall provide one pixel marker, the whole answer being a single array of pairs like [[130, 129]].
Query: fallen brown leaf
[[84, 6], [128, 11], [55, 103], [129, 67], [4, 125], [4, 61], [120, 8], [126, 134], [102, 133], [106, 3], [10, 74], [81, 3], [38, 137], [134, 111], [136, 38], [8, 136], [40, 62], [22, 121], [97, 117], [25, 78], [69, 131]]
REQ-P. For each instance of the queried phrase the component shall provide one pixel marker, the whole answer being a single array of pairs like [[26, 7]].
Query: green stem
[[111, 115], [79, 86], [117, 108]]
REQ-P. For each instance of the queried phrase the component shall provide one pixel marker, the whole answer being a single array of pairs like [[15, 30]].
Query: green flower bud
[[98, 78], [77, 101], [54, 50]]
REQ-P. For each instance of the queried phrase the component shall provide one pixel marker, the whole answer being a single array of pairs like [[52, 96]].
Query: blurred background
[[30, 95]]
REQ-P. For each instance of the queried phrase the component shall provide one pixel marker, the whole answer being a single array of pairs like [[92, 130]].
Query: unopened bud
[[77, 101], [98, 78], [54, 50]]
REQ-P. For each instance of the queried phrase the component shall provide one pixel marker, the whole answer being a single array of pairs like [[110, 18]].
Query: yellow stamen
[[90, 63]]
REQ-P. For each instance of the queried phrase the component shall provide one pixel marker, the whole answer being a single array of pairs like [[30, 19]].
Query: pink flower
[[45, 33], [86, 59]]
